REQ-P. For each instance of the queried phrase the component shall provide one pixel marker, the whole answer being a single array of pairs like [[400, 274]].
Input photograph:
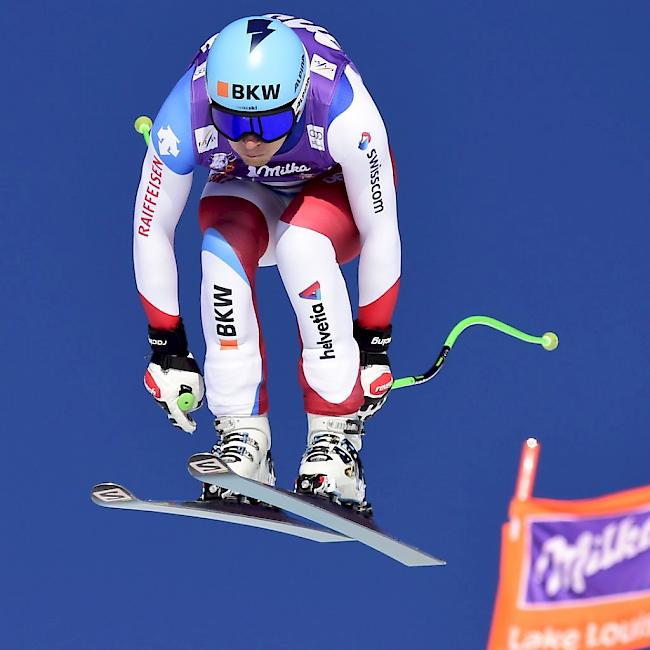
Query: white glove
[[173, 376], [178, 390], [376, 381]]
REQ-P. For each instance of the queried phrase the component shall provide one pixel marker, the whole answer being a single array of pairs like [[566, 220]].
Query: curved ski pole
[[143, 125], [549, 341]]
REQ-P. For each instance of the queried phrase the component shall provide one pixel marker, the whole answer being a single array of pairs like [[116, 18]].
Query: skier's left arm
[[358, 141]]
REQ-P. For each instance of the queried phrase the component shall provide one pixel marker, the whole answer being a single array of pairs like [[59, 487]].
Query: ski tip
[[429, 560], [108, 494], [206, 464]]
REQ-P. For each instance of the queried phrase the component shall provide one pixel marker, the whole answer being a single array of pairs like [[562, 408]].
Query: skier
[[300, 176]]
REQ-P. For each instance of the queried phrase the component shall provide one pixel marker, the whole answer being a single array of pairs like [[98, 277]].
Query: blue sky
[[520, 131]]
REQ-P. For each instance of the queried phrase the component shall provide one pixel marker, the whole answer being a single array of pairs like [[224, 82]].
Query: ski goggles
[[268, 127]]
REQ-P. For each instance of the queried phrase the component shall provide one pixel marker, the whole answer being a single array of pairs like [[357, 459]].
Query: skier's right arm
[[162, 194]]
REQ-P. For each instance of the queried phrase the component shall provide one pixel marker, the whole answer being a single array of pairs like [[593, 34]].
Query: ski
[[112, 495], [208, 468]]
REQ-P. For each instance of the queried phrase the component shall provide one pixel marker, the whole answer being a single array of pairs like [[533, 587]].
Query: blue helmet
[[257, 78]]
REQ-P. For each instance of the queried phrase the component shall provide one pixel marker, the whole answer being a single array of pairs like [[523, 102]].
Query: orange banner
[[575, 575]]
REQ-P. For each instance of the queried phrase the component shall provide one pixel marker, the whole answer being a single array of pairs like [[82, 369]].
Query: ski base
[[112, 495], [208, 468]]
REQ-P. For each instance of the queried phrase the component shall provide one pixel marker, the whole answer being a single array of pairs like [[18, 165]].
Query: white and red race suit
[[327, 196]]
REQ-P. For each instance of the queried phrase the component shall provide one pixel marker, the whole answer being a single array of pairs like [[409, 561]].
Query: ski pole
[[549, 341], [143, 125]]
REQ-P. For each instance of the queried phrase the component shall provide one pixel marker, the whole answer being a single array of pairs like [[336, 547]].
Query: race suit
[[327, 196]]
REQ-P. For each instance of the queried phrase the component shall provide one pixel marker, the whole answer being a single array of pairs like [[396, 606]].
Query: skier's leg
[[315, 235], [235, 218]]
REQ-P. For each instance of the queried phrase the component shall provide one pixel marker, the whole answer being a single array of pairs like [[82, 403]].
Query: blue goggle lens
[[269, 127]]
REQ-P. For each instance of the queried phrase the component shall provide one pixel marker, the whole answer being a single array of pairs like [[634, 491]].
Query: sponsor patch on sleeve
[[323, 67], [207, 138]]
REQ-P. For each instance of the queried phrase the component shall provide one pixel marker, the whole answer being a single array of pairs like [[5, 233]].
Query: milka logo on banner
[[588, 558]]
